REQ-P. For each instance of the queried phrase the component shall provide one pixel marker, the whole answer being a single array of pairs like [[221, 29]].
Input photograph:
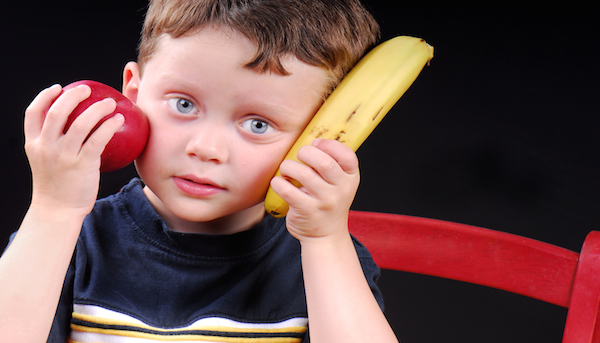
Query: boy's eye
[[256, 126], [182, 105]]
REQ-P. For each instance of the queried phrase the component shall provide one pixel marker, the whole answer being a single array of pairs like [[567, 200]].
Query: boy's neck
[[241, 221]]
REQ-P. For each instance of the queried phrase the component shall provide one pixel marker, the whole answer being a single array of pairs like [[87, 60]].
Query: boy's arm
[[341, 306], [65, 175]]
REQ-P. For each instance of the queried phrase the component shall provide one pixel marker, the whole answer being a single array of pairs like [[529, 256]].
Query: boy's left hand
[[329, 174]]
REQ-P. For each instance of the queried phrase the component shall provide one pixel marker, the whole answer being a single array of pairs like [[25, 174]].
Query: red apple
[[129, 142]]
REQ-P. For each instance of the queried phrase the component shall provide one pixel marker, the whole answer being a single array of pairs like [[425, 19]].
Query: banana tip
[[275, 214]]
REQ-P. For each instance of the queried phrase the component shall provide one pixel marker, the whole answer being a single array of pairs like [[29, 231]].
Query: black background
[[500, 131]]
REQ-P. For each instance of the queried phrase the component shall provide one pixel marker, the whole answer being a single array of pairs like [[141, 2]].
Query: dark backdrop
[[500, 131]]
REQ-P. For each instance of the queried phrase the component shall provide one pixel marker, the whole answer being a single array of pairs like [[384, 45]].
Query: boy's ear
[[131, 81]]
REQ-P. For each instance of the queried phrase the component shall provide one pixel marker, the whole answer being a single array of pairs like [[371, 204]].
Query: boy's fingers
[[288, 192], [316, 164], [341, 153], [36, 111], [299, 172], [330, 159], [59, 111], [313, 185], [98, 140], [82, 126]]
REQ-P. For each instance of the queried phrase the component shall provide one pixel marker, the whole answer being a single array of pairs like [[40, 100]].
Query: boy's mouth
[[197, 187]]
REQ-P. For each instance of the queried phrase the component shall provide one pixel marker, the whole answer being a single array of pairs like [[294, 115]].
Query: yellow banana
[[361, 100]]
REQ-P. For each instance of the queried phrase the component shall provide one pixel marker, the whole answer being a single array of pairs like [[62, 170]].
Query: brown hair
[[332, 34]]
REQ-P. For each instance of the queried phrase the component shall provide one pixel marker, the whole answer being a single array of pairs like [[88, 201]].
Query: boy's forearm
[[341, 306], [32, 273]]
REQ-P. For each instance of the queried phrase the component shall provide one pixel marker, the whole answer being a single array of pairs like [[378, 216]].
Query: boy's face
[[218, 131]]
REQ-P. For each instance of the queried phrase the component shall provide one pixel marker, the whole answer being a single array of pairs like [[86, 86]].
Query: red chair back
[[490, 258]]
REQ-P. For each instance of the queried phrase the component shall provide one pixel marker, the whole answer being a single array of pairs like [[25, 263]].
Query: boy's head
[[331, 34], [228, 86]]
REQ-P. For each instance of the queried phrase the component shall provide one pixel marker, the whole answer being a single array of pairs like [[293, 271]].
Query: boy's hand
[[65, 166], [329, 176]]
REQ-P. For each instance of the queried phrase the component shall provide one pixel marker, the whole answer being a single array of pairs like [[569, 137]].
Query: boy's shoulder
[[131, 194], [114, 217]]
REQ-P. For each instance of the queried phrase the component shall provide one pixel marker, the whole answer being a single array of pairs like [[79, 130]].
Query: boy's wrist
[[56, 212], [327, 243]]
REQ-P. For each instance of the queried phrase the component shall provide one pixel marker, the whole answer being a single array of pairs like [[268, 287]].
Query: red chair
[[491, 258]]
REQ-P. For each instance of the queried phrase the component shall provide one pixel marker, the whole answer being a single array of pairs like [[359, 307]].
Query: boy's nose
[[208, 145]]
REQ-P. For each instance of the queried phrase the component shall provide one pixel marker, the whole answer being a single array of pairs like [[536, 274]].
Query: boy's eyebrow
[[176, 82], [283, 115], [276, 109]]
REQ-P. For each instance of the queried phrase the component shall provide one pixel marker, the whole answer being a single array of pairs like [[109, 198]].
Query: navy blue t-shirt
[[131, 277]]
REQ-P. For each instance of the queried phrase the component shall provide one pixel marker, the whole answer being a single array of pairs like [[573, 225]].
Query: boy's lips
[[197, 187]]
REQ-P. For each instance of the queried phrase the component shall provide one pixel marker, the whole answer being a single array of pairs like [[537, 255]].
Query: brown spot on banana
[[353, 113], [339, 136], [377, 114], [322, 132]]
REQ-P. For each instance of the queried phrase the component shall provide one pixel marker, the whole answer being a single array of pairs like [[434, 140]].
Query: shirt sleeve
[[61, 326], [370, 269]]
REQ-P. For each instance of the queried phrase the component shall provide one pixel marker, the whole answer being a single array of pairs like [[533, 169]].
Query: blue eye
[[256, 126], [182, 105]]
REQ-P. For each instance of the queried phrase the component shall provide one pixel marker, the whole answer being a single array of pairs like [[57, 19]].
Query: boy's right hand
[[66, 166]]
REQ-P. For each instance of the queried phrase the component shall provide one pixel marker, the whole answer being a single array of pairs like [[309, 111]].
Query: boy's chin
[[209, 220]]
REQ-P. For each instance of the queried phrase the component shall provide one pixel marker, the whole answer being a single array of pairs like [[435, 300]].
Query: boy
[[188, 253]]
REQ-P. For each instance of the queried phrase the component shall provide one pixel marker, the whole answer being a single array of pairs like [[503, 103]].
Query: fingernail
[[110, 101], [85, 87]]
